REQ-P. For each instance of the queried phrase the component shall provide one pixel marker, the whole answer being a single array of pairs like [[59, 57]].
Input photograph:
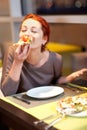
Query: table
[[20, 116]]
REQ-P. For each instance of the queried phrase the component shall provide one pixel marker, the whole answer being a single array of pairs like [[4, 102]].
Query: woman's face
[[33, 28]]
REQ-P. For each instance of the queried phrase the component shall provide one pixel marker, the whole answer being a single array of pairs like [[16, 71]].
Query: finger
[[84, 70], [25, 51], [18, 50]]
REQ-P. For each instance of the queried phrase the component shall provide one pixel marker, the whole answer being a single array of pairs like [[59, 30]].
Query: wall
[[69, 33]]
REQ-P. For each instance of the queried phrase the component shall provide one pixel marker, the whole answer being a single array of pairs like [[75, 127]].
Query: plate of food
[[44, 92], [73, 106]]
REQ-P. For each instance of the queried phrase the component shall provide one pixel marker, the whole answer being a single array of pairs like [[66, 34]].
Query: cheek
[[37, 37], [37, 40], [20, 35], [40, 36]]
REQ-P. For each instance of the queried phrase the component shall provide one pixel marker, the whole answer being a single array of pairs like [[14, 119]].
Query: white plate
[[80, 114], [45, 92], [68, 112]]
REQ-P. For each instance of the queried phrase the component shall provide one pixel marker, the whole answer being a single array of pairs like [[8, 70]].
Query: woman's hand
[[72, 76], [21, 52], [76, 74]]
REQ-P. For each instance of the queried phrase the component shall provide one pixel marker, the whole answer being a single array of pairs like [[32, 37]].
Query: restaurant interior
[[68, 29], [68, 23]]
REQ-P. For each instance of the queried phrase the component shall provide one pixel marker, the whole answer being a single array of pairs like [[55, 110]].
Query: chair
[[79, 61]]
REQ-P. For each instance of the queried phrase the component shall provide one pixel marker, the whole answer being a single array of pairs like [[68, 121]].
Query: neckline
[[37, 67]]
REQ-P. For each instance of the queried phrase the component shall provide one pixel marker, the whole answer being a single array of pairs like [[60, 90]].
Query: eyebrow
[[33, 27], [26, 27]]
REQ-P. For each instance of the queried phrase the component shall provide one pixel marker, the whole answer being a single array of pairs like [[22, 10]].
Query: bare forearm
[[72, 76]]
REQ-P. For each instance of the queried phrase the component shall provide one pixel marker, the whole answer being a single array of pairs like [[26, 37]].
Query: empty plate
[[45, 92]]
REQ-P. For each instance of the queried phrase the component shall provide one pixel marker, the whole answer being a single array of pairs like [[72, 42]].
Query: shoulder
[[55, 56], [57, 60]]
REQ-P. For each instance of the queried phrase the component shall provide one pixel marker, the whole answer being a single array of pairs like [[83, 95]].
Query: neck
[[35, 57]]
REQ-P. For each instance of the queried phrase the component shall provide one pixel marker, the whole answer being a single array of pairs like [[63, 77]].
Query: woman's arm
[[72, 76], [12, 68]]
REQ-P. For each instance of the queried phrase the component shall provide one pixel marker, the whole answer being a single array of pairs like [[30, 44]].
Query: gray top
[[31, 76]]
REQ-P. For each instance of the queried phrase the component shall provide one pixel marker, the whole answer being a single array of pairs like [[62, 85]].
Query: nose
[[28, 32], [21, 34]]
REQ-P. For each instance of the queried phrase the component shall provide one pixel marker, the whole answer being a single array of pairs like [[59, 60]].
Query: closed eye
[[34, 31], [24, 29]]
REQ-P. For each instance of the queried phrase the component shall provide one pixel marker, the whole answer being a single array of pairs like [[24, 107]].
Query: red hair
[[44, 24]]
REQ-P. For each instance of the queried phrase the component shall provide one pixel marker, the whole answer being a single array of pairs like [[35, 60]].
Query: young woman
[[31, 65]]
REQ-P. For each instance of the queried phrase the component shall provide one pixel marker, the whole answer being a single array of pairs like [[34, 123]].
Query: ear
[[44, 40]]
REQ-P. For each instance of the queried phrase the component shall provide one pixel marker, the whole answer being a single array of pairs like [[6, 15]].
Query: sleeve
[[8, 86], [57, 67]]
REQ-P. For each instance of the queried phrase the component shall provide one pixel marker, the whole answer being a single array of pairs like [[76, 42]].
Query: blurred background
[[68, 22]]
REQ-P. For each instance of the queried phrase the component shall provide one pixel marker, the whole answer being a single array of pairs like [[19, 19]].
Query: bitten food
[[25, 39]]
